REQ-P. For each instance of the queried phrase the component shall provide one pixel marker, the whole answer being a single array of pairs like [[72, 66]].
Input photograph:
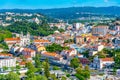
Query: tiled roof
[[12, 39], [107, 59], [50, 54], [28, 50], [5, 54], [40, 40]]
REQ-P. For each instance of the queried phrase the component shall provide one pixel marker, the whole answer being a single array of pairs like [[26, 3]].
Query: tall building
[[100, 30], [24, 40]]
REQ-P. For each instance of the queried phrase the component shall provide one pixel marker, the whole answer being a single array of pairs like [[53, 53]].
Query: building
[[37, 47], [69, 54], [51, 55], [21, 40], [41, 42], [6, 60], [24, 40], [102, 62], [28, 52], [100, 30], [117, 28]]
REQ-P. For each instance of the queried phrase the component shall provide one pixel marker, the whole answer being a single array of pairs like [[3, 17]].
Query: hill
[[72, 12]]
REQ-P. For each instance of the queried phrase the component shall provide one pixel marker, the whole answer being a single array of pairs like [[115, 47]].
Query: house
[[42, 42], [102, 62], [106, 62], [28, 52], [12, 41], [59, 40], [84, 61], [69, 54], [37, 47], [21, 40], [7, 60], [51, 55]]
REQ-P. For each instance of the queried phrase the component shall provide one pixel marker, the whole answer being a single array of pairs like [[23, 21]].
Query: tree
[[5, 68], [83, 74], [18, 67], [117, 61], [12, 76], [81, 66], [39, 77], [87, 68], [86, 54], [64, 78], [2, 77], [46, 68], [31, 69], [56, 68], [74, 62], [54, 47], [53, 77], [37, 61], [79, 77]]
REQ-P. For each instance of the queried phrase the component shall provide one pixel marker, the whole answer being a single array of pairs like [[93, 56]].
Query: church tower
[[28, 35], [21, 35]]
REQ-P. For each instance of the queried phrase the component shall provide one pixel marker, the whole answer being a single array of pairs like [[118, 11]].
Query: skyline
[[47, 4]]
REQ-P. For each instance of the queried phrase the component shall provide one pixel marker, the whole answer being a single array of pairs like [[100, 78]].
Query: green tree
[[39, 77], [5, 68], [87, 68], [79, 77], [53, 77], [46, 69], [2, 77], [63, 78], [37, 61], [56, 68], [12, 76], [117, 61], [31, 70], [54, 47], [18, 67], [74, 62]]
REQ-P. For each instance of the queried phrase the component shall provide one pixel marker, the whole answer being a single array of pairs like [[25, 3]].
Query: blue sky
[[43, 4]]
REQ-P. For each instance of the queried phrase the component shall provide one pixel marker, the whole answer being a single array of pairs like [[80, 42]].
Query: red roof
[[12, 39], [107, 59]]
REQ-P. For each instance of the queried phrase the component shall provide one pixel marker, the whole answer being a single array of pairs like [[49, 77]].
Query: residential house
[[27, 52], [51, 55]]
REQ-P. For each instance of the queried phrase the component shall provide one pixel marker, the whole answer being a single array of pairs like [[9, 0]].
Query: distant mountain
[[72, 12]]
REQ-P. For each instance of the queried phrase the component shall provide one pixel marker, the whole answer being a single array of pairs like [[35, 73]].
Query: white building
[[24, 40], [102, 62], [7, 61]]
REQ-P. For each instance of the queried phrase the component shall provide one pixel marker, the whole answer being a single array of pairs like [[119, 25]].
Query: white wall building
[[7, 62]]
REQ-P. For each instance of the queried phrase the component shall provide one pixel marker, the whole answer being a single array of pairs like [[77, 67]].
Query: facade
[[24, 40], [28, 52], [100, 30], [51, 55], [21, 40], [102, 62], [41, 42], [6, 60]]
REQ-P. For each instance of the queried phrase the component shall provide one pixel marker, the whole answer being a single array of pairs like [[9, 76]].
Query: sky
[[46, 4]]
